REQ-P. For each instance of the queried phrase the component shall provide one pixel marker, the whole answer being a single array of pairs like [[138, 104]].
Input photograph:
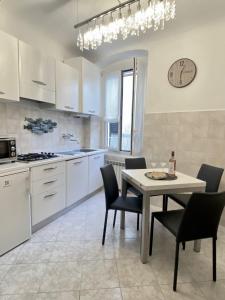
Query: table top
[[183, 183]]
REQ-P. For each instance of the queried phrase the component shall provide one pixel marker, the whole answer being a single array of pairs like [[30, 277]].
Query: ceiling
[[55, 19]]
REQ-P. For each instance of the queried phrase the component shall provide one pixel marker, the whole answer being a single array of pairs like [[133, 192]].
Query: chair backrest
[[201, 216], [135, 163], [212, 176], [110, 184]]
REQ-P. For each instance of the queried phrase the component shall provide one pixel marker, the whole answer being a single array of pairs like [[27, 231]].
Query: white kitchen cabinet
[[48, 190], [37, 74], [9, 61], [90, 82], [67, 87], [77, 180], [95, 178]]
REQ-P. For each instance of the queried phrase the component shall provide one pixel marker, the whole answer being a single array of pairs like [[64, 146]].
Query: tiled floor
[[65, 261]]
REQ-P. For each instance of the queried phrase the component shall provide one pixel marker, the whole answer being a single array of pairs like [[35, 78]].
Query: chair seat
[[182, 199], [131, 204], [134, 191], [170, 219]]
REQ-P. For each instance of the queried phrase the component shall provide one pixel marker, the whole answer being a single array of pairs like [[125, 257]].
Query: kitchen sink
[[74, 152]]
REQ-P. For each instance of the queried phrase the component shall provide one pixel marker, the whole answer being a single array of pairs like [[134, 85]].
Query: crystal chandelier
[[126, 19]]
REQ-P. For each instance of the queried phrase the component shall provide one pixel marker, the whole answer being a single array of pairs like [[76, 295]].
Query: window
[[119, 110], [126, 111]]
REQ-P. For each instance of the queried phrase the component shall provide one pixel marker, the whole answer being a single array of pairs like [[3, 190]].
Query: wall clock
[[182, 72]]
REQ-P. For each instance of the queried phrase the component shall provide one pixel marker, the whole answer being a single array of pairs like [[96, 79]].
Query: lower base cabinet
[[95, 177], [76, 180]]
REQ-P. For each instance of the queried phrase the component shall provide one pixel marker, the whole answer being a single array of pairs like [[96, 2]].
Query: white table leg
[[145, 229], [197, 245]]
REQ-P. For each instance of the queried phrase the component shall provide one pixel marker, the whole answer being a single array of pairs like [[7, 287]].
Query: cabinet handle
[[68, 107], [49, 182], [49, 169], [92, 111], [77, 162], [39, 82], [50, 195], [2, 93], [97, 157]]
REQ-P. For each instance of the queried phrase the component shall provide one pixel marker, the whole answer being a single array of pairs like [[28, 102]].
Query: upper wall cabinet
[[67, 88], [9, 79], [37, 74], [90, 80]]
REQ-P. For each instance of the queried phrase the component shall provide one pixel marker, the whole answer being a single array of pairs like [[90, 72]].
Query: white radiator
[[118, 167]]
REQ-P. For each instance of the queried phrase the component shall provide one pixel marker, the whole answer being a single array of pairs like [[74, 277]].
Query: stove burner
[[35, 156]]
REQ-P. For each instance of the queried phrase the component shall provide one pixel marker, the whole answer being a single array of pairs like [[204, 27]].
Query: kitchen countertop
[[17, 166]]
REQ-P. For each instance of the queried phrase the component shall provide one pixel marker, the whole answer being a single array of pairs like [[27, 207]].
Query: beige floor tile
[[46, 234], [10, 257], [104, 294], [185, 291], [67, 251], [126, 248], [18, 297], [61, 277], [35, 253], [213, 290], [58, 296], [99, 274], [151, 292], [3, 270], [22, 279], [133, 273], [75, 233], [93, 250]]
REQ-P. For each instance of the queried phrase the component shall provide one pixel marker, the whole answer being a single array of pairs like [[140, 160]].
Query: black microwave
[[7, 150]]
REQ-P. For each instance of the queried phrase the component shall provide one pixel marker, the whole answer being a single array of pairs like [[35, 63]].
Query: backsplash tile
[[12, 117]]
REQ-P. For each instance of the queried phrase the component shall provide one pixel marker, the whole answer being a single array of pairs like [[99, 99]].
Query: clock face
[[182, 73]]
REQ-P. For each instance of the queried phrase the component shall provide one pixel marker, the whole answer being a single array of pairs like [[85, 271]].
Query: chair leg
[[151, 236], [138, 217], [183, 244], [105, 225], [176, 267], [165, 202], [114, 219], [214, 259]]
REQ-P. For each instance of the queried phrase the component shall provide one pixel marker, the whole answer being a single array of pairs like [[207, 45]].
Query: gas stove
[[29, 157]]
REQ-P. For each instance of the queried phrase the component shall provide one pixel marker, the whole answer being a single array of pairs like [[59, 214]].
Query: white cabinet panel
[[67, 88], [9, 75], [47, 204], [37, 74], [89, 84], [77, 180], [47, 170], [91, 88], [95, 178]]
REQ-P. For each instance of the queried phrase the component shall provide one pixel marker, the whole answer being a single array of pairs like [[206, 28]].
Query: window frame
[[121, 111]]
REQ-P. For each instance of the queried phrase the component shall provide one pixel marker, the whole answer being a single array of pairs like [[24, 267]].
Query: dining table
[[149, 188]]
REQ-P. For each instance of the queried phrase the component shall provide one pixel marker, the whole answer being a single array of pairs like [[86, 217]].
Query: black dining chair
[[113, 200], [210, 174], [199, 220]]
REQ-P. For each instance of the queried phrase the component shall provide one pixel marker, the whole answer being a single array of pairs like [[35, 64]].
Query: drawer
[[48, 183], [47, 204], [47, 170]]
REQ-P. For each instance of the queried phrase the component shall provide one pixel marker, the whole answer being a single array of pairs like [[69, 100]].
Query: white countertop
[[17, 166]]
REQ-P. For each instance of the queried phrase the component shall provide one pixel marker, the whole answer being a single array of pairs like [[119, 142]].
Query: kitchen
[[66, 112]]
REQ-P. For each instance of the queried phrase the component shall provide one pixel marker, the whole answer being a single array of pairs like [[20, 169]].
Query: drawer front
[[45, 171], [47, 204], [48, 183]]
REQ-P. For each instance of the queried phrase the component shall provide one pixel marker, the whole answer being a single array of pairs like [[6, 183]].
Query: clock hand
[[181, 73]]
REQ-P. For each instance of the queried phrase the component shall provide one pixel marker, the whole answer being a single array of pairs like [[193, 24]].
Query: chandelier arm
[[121, 5]]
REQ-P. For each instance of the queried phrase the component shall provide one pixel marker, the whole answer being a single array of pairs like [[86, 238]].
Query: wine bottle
[[172, 164]]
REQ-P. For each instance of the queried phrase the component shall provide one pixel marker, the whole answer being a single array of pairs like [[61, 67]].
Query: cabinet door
[[95, 178], [9, 78], [91, 88], [37, 74], [77, 180], [67, 88]]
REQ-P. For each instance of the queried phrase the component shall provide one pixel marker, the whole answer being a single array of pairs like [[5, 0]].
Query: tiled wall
[[12, 117], [197, 137]]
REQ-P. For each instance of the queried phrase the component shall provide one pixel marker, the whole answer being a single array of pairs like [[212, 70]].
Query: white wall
[[206, 46], [29, 34]]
